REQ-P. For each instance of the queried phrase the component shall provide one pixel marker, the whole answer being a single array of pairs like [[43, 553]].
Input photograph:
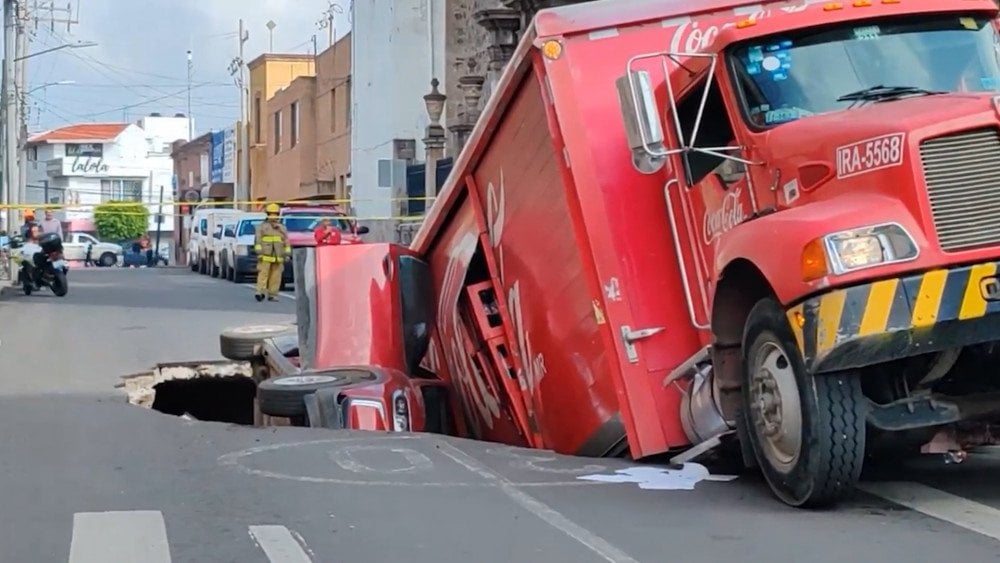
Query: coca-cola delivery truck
[[683, 226]]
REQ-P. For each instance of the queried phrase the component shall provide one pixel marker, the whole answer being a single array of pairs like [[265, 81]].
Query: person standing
[[29, 222], [271, 246], [51, 225], [325, 234]]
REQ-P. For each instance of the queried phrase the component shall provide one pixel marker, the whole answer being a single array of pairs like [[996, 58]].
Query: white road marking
[[585, 537], [279, 544], [254, 287], [119, 537], [933, 502]]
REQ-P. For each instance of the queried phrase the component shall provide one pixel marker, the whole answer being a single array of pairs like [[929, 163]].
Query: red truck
[[770, 230]]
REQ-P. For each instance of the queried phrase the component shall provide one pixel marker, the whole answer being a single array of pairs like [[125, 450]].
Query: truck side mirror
[[363, 230], [643, 126]]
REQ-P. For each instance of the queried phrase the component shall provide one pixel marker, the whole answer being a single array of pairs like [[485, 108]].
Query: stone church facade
[[480, 38]]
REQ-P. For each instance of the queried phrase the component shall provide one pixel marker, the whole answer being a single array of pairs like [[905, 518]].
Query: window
[[277, 131], [86, 239], [714, 131], [256, 120], [333, 110], [204, 227], [249, 227], [218, 232], [85, 149], [347, 104], [121, 190], [295, 124], [33, 153], [794, 75]]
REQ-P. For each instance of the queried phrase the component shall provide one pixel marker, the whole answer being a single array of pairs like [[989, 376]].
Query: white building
[[81, 166], [387, 98]]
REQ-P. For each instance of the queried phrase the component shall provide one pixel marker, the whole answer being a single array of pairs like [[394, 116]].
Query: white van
[[198, 229], [216, 245], [238, 257], [208, 222]]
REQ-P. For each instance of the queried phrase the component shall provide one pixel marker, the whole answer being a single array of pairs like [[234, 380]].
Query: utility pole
[[243, 177], [21, 89], [327, 21], [159, 228], [10, 180], [189, 75]]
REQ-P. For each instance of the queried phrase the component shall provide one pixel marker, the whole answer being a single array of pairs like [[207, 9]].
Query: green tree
[[120, 220]]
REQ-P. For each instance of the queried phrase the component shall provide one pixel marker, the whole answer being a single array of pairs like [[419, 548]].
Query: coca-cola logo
[[727, 216], [696, 37]]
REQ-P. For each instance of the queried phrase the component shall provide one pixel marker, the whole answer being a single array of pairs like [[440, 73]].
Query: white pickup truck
[[104, 254]]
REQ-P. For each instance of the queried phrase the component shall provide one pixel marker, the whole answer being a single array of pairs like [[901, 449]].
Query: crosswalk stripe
[[959, 511], [119, 537], [279, 544]]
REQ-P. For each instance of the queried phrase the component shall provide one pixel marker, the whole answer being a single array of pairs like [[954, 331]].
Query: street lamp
[[77, 45], [47, 84]]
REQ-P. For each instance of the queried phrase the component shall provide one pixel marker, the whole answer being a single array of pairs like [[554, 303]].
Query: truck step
[[687, 368]]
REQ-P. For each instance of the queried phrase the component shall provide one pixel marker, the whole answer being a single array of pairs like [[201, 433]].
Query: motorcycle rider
[[271, 246], [28, 251]]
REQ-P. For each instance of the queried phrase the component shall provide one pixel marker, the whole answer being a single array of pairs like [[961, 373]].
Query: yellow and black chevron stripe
[[856, 320]]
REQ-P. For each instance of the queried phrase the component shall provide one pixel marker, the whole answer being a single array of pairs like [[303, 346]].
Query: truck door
[[712, 193]]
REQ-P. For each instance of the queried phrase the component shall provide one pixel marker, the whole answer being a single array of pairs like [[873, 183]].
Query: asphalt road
[[82, 472]]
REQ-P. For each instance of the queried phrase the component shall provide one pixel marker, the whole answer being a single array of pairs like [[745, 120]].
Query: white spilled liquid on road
[[660, 478]]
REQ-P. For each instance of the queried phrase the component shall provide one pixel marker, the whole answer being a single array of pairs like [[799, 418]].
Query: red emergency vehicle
[[690, 225]]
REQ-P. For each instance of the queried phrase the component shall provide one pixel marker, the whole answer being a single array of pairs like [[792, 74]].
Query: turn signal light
[[814, 264], [552, 49], [832, 6]]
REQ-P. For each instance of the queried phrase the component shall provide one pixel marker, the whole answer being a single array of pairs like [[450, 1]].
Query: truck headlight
[[400, 412], [856, 249], [242, 250]]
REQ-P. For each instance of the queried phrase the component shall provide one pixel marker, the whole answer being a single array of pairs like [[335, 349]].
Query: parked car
[[105, 254]]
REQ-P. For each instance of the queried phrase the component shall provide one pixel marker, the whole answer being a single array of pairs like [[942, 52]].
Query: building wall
[[128, 157], [268, 74], [333, 120], [397, 47], [188, 161], [291, 158]]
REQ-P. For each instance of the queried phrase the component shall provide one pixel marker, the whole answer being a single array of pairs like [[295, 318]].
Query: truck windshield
[[308, 221], [785, 77], [249, 227]]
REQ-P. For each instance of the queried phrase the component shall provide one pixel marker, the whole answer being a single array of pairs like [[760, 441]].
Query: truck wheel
[[807, 432], [193, 263], [211, 264], [238, 343], [108, 259], [283, 396]]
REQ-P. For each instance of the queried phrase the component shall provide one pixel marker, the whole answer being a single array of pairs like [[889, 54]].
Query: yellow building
[[269, 73]]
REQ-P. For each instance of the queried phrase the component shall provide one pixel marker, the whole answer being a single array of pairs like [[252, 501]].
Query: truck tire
[[284, 396], [202, 266], [107, 260], [807, 431], [238, 343], [214, 270]]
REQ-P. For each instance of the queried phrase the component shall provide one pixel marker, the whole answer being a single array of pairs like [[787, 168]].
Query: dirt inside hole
[[218, 399], [210, 391]]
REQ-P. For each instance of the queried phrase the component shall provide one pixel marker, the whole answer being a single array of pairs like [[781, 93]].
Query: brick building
[[309, 146]]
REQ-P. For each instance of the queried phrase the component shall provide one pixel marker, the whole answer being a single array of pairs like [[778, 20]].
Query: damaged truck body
[[680, 226]]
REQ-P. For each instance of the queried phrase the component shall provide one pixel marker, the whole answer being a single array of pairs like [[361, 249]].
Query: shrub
[[119, 220]]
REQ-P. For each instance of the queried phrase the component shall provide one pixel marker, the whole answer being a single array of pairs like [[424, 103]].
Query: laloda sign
[[88, 165]]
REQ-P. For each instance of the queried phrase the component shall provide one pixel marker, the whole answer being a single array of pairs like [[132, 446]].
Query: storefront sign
[[88, 165]]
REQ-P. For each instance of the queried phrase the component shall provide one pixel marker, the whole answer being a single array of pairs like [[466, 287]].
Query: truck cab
[[827, 173]]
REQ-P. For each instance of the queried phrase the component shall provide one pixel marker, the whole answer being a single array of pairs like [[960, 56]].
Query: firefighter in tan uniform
[[271, 246]]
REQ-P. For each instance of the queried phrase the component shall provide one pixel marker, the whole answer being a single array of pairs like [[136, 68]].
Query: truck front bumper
[[895, 318], [248, 266]]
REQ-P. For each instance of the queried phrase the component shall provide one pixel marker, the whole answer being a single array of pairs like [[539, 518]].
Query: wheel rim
[[775, 407], [306, 380]]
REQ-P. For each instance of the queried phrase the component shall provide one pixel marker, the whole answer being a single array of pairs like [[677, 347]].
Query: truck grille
[[963, 183]]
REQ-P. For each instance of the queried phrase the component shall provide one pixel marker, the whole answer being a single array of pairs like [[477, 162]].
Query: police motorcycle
[[41, 264]]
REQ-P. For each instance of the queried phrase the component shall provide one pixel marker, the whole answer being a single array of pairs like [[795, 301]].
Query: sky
[[140, 63]]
